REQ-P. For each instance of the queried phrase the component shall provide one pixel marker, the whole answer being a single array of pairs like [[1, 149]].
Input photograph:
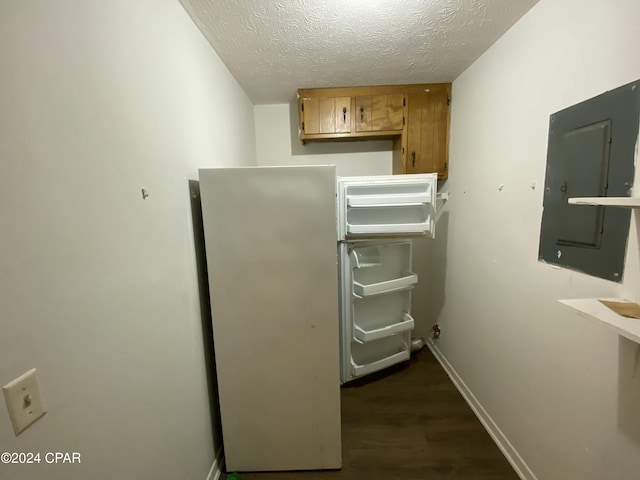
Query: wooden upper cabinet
[[333, 113], [415, 117]]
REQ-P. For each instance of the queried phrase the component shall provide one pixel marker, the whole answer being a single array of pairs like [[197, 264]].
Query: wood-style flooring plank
[[409, 423]]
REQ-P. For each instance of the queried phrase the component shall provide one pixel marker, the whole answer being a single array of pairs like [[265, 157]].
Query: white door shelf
[[407, 281], [629, 202], [389, 228], [592, 309], [361, 335], [370, 367], [387, 200]]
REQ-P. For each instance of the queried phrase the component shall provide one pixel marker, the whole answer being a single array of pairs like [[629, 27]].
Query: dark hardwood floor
[[409, 423]]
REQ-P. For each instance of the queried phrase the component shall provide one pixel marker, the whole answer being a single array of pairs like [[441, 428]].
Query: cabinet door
[[326, 115], [377, 113], [427, 132]]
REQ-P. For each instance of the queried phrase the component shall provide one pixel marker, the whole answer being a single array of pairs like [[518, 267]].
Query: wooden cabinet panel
[[326, 115], [379, 106], [387, 112], [363, 113], [395, 112], [441, 133], [335, 114], [414, 132], [378, 113], [311, 115], [343, 114]]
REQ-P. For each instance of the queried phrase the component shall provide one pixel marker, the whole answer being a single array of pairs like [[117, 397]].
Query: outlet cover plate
[[24, 400]]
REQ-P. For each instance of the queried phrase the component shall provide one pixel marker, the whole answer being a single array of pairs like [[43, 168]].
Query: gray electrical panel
[[590, 154]]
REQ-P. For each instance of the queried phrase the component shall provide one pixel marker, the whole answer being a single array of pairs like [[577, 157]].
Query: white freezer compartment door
[[387, 206]]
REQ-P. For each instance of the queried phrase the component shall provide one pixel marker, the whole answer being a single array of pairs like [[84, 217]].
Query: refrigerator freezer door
[[376, 320], [270, 243], [387, 205]]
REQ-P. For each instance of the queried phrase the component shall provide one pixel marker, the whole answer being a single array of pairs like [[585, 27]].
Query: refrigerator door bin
[[402, 283], [363, 336], [377, 312], [381, 267], [396, 190], [370, 357], [417, 198], [388, 219], [365, 257]]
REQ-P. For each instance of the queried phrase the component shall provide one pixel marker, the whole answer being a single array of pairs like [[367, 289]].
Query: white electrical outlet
[[24, 400]]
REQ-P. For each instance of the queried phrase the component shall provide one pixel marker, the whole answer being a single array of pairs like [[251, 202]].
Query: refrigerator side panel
[[270, 238]]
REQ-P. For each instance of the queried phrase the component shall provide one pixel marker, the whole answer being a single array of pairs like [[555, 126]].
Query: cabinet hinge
[[449, 100], [303, 126], [404, 101], [302, 107], [446, 166], [403, 121]]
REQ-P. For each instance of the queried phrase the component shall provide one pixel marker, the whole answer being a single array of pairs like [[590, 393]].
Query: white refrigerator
[[271, 257], [377, 218]]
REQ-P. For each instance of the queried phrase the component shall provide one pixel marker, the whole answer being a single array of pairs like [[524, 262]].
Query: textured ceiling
[[274, 47]]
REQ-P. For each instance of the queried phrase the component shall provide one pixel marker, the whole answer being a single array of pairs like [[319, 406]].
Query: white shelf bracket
[[441, 199]]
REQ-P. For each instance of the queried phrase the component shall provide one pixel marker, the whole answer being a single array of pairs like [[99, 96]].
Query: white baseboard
[[508, 450], [216, 468]]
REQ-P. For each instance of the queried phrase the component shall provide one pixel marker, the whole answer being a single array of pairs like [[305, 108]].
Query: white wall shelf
[[632, 202], [592, 309]]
